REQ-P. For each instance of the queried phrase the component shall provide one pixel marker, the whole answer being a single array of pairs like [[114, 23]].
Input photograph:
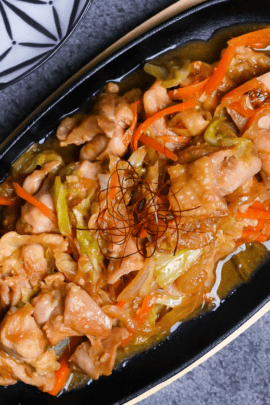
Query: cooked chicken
[[20, 334], [36, 221], [98, 358]]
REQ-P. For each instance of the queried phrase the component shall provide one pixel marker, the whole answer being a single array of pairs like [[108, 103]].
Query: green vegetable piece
[[170, 75], [89, 246], [211, 135], [87, 242], [222, 136], [82, 210], [169, 267], [26, 165], [60, 201]]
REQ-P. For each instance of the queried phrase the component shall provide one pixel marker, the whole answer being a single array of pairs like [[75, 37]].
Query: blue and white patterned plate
[[31, 31]]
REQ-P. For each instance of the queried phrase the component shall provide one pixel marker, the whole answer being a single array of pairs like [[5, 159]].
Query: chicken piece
[[98, 358], [66, 265], [64, 309], [12, 241], [119, 267], [48, 305], [13, 265], [194, 121], [250, 100], [14, 290], [20, 334], [67, 125], [230, 172], [247, 63], [91, 150], [56, 330], [155, 99], [115, 145], [35, 220], [12, 370], [89, 170], [83, 315], [35, 264], [50, 302], [193, 189], [33, 182], [84, 132], [260, 136]]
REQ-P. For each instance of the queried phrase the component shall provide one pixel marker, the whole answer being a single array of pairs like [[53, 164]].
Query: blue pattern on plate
[[31, 30]]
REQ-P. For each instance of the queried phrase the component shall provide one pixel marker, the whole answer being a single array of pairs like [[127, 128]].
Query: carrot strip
[[250, 235], [158, 147], [7, 201], [252, 213], [120, 304], [175, 139], [257, 39], [113, 185], [261, 205], [129, 133], [62, 375], [258, 227], [218, 75], [147, 306], [149, 121], [36, 203], [239, 108], [238, 92], [185, 93]]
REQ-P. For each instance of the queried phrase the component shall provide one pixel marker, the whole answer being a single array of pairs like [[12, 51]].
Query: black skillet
[[192, 339]]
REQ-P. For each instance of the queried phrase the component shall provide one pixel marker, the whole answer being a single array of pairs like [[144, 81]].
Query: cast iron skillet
[[192, 339]]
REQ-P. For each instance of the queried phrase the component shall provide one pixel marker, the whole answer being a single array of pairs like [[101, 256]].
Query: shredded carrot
[[257, 39], [258, 205], [147, 306], [250, 236], [36, 203], [113, 185], [258, 227], [185, 93], [149, 121], [62, 375], [7, 201], [120, 304], [129, 133], [240, 109], [158, 147], [252, 213], [239, 91], [218, 75], [175, 139]]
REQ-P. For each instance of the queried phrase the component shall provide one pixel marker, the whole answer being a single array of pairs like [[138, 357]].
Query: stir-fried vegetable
[[170, 75], [169, 267], [215, 135], [60, 194]]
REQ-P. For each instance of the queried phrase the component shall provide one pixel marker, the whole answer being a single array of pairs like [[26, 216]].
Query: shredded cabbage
[[170, 75], [169, 267], [223, 136], [60, 193]]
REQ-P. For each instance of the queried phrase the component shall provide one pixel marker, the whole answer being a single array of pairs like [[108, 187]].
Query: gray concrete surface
[[237, 375]]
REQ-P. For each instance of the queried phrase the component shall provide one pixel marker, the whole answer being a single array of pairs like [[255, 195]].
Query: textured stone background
[[238, 374]]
